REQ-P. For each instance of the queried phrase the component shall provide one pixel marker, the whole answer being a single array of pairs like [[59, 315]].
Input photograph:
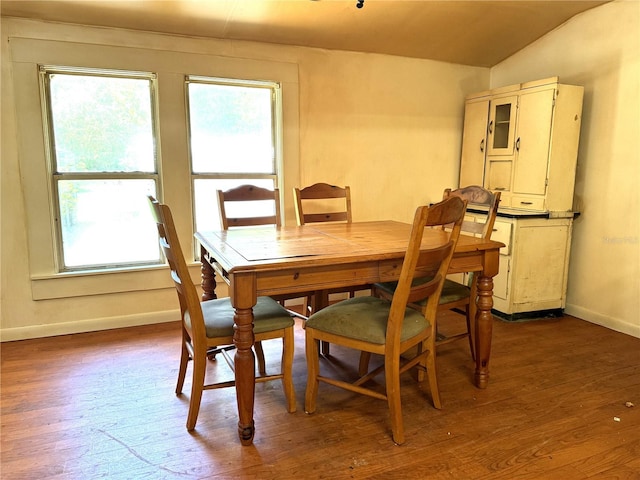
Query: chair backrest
[[318, 211], [191, 311], [424, 269], [476, 195], [249, 193]]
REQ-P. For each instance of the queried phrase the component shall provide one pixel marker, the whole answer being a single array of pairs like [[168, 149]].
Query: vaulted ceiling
[[480, 33]]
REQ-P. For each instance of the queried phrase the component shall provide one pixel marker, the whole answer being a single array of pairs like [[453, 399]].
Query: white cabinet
[[531, 133], [533, 264], [522, 140]]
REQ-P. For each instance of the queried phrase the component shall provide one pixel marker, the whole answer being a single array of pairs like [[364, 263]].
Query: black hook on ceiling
[[360, 4]]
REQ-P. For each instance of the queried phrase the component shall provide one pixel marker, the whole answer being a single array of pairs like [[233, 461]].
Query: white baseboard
[[599, 319], [91, 325]]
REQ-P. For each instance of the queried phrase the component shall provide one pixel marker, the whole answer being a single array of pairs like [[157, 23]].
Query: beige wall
[[599, 49], [389, 127]]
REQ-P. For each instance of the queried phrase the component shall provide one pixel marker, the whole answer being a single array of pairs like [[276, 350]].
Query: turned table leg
[[243, 298], [483, 330], [244, 361], [208, 277]]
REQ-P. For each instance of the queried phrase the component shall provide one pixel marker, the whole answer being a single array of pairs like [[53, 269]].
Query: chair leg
[[288, 346], [472, 309], [313, 367], [319, 299], [471, 327], [421, 371], [197, 386], [262, 366], [471, 330], [392, 376], [433, 377], [182, 370], [363, 368], [307, 303]]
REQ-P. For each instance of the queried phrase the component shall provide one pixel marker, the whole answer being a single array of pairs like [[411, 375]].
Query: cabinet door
[[499, 174], [502, 125], [539, 274], [474, 139], [532, 144]]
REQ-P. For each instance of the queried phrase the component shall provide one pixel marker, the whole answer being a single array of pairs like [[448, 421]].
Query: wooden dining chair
[[322, 202], [404, 336], [458, 297], [252, 198], [318, 203], [209, 324]]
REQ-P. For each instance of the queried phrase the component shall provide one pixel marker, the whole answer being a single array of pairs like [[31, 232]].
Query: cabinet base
[[524, 316]]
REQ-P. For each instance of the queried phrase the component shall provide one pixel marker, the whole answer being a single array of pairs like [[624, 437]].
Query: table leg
[[208, 277], [483, 330], [244, 361], [243, 298]]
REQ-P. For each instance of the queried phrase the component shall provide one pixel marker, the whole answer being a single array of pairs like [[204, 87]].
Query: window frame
[[171, 66], [276, 138], [55, 176]]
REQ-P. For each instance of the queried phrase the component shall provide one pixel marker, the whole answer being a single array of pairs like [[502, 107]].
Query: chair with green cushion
[[259, 207], [320, 203], [206, 325], [390, 327], [461, 298], [249, 199]]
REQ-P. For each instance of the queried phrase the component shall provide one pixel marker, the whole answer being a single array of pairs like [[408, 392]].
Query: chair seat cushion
[[268, 315], [454, 291], [451, 291], [365, 318]]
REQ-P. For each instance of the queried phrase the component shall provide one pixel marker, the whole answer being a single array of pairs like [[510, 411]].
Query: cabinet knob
[[518, 144], [491, 126], [482, 145]]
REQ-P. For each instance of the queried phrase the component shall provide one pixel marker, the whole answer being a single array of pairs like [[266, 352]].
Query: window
[[100, 127], [130, 261], [234, 140]]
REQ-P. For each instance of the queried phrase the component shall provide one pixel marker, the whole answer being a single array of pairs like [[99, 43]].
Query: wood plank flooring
[[101, 405]]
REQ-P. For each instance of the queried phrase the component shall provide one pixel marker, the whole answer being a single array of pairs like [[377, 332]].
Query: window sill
[[103, 282]]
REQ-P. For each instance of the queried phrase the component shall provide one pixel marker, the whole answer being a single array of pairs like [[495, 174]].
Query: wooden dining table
[[269, 260]]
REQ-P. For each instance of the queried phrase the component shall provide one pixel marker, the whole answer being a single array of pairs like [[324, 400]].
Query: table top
[[258, 248]]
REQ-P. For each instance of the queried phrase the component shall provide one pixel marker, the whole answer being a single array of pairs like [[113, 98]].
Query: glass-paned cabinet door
[[502, 125]]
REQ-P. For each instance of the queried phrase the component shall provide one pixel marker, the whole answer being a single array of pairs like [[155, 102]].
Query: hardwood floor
[[101, 405]]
